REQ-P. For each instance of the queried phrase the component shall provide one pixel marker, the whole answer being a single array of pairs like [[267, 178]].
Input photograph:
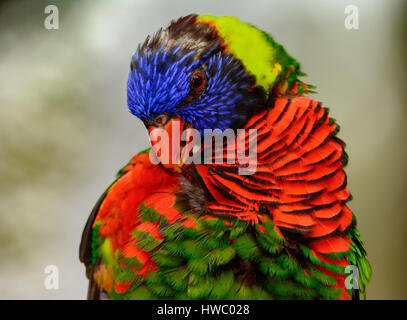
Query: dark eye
[[197, 81]]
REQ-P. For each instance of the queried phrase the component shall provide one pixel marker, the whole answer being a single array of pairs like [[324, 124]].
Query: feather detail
[[299, 179]]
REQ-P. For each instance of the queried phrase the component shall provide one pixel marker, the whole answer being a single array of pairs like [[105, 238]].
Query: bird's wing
[[299, 180], [120, 232]]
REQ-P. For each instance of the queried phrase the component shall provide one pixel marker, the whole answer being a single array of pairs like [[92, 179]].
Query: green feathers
[[260, 54], [221, 259]]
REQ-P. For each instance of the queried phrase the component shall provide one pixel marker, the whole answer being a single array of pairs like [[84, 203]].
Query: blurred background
[[65, 129]]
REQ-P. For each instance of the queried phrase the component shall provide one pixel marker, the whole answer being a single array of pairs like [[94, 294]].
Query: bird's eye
[[197, 81]]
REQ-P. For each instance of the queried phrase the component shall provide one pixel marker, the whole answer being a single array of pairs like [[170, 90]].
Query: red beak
[[166, 143]]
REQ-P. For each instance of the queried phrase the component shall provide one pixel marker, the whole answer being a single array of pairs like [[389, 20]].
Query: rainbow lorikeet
[[181, 230]]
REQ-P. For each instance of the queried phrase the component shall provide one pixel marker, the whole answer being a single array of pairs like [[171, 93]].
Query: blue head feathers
[[160, 80]]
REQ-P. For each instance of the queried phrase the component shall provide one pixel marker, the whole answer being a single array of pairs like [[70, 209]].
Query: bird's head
[[209, 72]]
